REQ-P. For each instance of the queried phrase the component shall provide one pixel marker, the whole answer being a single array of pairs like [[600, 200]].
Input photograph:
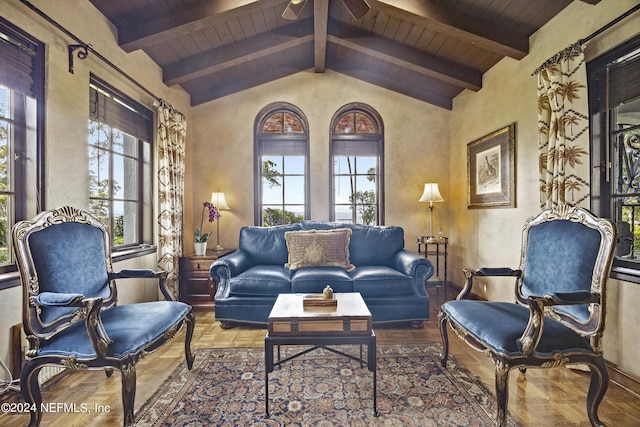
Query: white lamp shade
[[218, 200], [431, 193]]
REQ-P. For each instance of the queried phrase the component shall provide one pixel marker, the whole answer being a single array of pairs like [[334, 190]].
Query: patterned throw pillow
[[319, 248]]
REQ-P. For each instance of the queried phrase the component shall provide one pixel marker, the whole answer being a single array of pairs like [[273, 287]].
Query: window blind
[[281, 147], [624, 80], [17, 67], [356, 147], [111, 108]]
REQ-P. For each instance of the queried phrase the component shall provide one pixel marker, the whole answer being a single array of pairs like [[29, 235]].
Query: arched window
[[281, 165], [357, 166]]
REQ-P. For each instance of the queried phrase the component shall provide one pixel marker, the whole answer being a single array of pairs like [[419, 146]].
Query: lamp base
[[432, 239], [218, 248]]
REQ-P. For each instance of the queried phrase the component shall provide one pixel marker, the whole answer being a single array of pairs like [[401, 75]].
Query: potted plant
[[200, 238]]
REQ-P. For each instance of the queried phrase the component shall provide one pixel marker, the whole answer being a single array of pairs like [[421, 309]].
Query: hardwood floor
[[554, 397]]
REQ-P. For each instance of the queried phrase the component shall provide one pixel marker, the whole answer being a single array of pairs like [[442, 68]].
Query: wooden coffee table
[[319, 327]]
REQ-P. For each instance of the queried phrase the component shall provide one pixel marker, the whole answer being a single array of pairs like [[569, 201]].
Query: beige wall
[[67, 114], [422, 143], [416, 150], [491, 237]]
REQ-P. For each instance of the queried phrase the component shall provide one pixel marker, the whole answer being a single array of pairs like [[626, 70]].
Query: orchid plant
[[214, 214]]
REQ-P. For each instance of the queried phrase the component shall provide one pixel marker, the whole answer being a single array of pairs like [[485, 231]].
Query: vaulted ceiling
[[430, 50]]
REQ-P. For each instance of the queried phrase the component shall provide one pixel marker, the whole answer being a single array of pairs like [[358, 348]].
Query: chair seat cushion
[[131, 327], [498, 325]]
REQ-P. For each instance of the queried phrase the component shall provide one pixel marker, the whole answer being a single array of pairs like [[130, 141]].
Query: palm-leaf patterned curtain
[[563, 129], [172, 129]]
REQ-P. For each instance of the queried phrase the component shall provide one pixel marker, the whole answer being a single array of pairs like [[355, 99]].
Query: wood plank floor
[[541, 398]]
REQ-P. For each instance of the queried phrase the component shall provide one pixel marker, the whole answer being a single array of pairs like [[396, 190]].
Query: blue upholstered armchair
[[559, 313], [70, 315]]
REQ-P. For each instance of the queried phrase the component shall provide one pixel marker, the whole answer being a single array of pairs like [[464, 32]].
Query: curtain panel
[[172, 129], [563, 129]]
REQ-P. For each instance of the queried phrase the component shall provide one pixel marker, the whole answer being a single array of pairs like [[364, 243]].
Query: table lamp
[[218, 200], [431, 194]]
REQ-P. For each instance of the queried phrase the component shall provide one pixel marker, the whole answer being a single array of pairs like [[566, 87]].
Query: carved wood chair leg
[[502, 392], [442, 318], [128, 379], [597, 389], [187, 341], [31, 391]]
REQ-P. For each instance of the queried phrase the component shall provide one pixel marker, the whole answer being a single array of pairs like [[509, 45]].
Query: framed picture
[[491, 176]]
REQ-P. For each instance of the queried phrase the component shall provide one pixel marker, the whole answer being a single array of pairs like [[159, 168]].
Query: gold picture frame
[[491, 175]]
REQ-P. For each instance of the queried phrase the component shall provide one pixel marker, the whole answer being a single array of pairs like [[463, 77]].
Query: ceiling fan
[[357, 8]]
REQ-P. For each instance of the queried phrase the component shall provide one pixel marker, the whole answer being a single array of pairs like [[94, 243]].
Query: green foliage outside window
[[271, 217]]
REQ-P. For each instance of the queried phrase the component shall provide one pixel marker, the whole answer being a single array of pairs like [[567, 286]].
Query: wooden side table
[[197, 288], [438, 248]]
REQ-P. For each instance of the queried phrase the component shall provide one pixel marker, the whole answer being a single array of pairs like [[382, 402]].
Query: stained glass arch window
[[357, 166], [281, 165]]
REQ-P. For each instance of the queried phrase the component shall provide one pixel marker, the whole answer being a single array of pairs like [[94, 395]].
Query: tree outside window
[[281, 166]]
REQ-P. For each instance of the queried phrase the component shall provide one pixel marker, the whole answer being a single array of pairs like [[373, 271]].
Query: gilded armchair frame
[[556, 306], [73, 308]]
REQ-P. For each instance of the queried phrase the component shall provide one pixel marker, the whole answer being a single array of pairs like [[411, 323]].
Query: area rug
[[226, 388]]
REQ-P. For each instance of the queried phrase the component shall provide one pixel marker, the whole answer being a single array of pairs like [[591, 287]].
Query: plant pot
[[200, 248]]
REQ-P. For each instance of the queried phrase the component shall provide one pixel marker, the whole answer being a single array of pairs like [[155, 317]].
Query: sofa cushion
[[369, 245], [381, 281], [262, 280], [266, 245], [315, 279], [318, 248]]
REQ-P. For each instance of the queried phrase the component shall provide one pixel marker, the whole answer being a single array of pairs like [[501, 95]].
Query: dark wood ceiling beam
[[242, 52], [394, 85], [187, 19], [266, 76], [477, 32], [406, 57], [320, 21]]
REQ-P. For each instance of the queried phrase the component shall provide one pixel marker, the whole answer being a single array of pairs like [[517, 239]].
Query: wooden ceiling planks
[[430, 50]]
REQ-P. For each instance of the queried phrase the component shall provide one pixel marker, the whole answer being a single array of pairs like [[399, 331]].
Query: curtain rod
[[610, 24], [85, 52], [575, 48]]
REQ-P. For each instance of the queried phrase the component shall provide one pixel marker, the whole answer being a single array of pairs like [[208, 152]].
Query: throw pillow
[[319, 248]]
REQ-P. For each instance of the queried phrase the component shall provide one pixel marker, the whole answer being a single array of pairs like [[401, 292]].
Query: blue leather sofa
[[390, 279]]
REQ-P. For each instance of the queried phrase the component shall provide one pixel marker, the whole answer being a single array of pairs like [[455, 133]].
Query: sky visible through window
[[349, 178]]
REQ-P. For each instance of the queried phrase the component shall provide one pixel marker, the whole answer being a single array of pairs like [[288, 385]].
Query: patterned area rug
[[226, 387]]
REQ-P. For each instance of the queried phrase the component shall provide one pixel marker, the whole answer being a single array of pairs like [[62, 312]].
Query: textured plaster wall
[[66, 118], [416, 150], [491, 237]]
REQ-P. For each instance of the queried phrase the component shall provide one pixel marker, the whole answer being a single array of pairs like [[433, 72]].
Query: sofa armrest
[[223, 269], [415, 266]]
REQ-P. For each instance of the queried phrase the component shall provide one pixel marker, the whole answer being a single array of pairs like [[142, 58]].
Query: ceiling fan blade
[[357, 8], [293, 9]]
